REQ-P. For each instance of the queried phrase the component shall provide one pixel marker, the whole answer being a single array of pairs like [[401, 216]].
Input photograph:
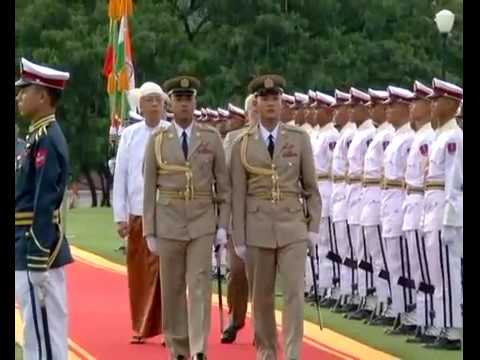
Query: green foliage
[[321, 44]]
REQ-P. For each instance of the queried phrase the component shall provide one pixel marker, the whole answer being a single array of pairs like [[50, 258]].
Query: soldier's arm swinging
[[310, 188], [239, 190], [222, 182], [43, 232]]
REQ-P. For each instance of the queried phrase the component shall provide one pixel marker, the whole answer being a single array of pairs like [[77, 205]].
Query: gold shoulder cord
[[260, 171], [170, 169], [40, 128]]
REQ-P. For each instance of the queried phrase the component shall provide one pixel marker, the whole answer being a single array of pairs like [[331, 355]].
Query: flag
[[124, 68], [124, 63], [118, 64], [108, 65]]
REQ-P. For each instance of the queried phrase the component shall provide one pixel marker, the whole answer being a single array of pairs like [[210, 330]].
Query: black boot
[[361, 314], [383, 321], [442, 343], [402, 329], [230, 334], [421, 338], [328, 302], [199, 356]]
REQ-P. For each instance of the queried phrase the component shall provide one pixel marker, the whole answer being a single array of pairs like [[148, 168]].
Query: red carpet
[[100, 322]]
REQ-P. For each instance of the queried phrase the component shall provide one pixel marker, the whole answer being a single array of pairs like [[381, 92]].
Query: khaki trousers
[[262, 267], [237, 287], [185, 268]]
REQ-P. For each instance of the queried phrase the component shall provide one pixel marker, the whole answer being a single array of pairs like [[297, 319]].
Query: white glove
[[152, 244], [313, 239], [38, 279], [220, 238], [450, 234], [241, 252]]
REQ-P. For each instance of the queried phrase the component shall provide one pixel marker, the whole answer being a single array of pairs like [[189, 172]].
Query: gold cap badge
[[268, 83], [184, 83]]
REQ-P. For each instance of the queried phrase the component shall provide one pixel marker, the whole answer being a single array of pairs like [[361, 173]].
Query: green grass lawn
[[93, 230]]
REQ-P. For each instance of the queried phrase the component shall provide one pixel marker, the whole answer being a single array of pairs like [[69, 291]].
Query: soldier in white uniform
[[444, 259], [361, 261], [288, 102], [393, 195], [338, 203], [301, 102], [370, 217], [452, 230], [419, 305], [327, 251]]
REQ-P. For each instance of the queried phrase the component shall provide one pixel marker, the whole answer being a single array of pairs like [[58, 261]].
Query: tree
[[318, 44]]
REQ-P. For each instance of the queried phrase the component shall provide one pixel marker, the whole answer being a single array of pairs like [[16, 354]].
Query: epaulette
[[161, 129], [206, 127], [294, 129], [40, 129], [241, 135]]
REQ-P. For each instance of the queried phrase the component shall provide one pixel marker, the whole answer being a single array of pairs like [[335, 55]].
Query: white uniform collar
[[265, 133], [180, 130], [366, 125], [385, 125], [425, 127], [449, 125], [326, 127], [405, 128], [348, 126]]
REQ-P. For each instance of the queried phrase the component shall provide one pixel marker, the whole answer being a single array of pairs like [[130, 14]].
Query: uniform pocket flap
[[295, 208], [252, 208], [164, 200]]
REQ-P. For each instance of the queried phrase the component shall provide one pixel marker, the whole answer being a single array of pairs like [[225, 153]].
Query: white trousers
[[398, 262], [418, 262], [347, 274], [223, 261], [45, 331], [445, 265], [376, 245], [327, 268], [362, 251]]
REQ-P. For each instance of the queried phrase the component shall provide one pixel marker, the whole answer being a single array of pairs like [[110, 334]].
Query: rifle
[[312, 264], [218, 256]]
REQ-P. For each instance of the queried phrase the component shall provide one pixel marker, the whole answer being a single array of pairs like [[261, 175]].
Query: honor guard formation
[[351, 201]]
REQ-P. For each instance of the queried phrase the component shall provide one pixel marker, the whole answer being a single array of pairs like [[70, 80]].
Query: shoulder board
[[240, 135], [40, 132], [206, 128], [159, 130], [294, 129]]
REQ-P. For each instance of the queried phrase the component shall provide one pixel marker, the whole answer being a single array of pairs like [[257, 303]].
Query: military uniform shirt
[[373, 169], [323, 148], [41, 183], [395, 165], [415, 176], [356, 156], [340, 169], [448, 140]]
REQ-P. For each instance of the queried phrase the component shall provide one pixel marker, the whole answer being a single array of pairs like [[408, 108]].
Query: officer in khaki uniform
[[183, 164], [272, 174], [237, 285]]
